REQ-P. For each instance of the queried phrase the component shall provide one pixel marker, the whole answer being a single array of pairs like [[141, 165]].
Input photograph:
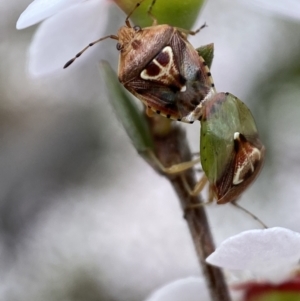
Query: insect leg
[[174, 169], [127, 22], [150, 13]]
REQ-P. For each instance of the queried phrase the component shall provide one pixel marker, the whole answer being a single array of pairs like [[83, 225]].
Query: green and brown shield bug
[[231, 152], [159, 66]]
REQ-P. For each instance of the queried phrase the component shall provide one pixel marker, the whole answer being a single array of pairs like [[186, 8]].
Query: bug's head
[[127, 37]]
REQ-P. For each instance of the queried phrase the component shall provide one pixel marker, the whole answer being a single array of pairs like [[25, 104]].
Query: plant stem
[[172, 148]]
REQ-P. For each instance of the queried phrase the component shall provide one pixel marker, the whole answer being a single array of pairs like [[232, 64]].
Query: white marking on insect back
[[183, 89], [248, 163], [196, 114], [164, 70], [236, 135]]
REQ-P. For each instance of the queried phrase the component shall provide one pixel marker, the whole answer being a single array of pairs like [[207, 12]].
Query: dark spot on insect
[[158, 112], [212, 84], [205, 160], [198, 75], [204, 63], [191, 122], [226, 93], [242, 138], [248, 174], [182, 79], [195, 102], [208, 74], [136, 28], [174, 88], [255, 164], [136, 44], [236, 145], [168, 116], [119, 46], [149, 107], [163, 58], [179, 119], [152, 69]]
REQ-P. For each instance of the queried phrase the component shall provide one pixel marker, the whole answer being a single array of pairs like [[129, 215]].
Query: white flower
[[191, 289], [272, 254], [69, 26]]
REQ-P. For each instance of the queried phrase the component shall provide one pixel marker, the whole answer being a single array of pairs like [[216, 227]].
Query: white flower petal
[[288, 8], [191, 289], [270, 253], [59, 38], [39, 10]]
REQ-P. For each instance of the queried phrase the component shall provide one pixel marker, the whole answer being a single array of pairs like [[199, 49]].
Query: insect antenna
[[235, 204], [114, 37], [199, 29]]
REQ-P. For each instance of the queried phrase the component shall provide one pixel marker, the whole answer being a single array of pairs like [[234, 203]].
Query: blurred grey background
[[82, 216]]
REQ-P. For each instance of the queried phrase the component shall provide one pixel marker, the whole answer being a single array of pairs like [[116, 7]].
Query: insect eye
[[119, 46], [136, 28]]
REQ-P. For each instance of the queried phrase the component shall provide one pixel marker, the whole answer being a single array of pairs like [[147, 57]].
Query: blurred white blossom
[[191, 288], [40, 10], [69, 26], [272, 254]]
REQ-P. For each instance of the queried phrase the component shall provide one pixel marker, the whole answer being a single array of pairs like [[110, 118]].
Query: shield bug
[[231, 152], [159, 66]]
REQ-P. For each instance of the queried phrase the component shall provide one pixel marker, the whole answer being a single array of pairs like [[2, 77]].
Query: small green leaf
[[182, 14], [207, 52], [127, 112]]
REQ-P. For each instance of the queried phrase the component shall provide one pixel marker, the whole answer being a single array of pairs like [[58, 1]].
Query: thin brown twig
[[172, 148]]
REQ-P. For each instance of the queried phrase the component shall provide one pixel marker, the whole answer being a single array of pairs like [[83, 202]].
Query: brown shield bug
[[159, 66]]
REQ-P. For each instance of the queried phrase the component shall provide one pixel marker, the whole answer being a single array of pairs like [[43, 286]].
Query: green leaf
[[127, 111], [182, 14], [207, 52]]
